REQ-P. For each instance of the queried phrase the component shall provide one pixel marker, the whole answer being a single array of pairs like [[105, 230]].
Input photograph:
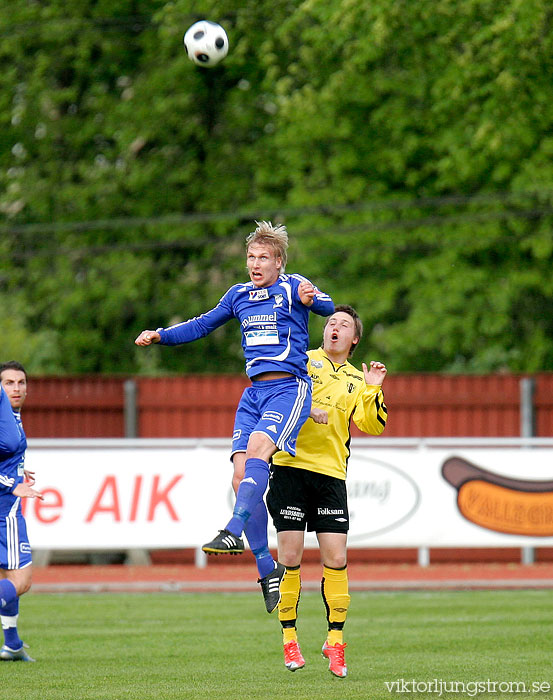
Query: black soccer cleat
[[270, 587], [224, 543]]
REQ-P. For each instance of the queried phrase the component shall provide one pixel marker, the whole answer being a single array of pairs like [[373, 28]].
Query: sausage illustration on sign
[[500, 503]]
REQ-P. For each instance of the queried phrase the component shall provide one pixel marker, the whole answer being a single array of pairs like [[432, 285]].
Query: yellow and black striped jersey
[[342, 392]]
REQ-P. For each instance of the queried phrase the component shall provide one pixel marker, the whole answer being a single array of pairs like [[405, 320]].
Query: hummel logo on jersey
[[317, 363], [334, 376], [272, 428], [259, 294]]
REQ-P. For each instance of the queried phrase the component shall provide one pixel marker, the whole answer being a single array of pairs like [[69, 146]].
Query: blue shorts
[[15, 550], [276, 407]]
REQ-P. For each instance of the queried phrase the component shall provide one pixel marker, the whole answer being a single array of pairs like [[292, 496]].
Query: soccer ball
[[206, 43]]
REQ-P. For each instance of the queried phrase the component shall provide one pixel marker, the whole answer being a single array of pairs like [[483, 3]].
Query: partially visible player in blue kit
[[273, 311], [15, 483]]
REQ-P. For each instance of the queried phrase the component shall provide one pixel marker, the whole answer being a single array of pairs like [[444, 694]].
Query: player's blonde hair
[[274, 236]]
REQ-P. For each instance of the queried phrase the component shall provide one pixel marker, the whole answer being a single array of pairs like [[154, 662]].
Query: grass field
[[214, 646]]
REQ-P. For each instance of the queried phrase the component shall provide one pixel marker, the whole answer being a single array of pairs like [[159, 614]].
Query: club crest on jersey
[[259, 294], [278, 301]]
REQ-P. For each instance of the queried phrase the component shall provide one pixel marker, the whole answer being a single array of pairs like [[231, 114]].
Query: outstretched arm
[[194, 328], [147, 338]]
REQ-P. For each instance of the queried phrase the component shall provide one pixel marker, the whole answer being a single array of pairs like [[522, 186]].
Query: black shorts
[[298, 498]]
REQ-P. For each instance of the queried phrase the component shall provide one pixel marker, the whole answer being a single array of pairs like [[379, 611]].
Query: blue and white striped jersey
[[13, 444], [273, 321]]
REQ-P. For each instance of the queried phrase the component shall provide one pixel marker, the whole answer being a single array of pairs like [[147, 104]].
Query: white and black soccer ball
[[206, 43]]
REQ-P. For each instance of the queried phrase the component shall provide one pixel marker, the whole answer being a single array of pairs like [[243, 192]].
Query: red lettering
[[159, 497], [112, 506], [56, 501], [135, 498]]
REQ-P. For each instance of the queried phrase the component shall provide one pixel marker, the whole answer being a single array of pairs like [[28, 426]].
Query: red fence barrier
[[453, 406], [423, 405], [195, 406], [75, 407]]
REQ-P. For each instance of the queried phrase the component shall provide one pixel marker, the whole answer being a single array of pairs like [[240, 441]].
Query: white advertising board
[[102, 495]]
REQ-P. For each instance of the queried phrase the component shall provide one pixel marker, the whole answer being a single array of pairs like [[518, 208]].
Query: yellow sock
[[334, 588], [289, 634], [335, 637], [290, 595]]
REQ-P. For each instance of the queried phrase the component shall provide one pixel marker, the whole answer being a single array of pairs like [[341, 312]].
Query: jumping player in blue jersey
[[273, 312], [15, 483]]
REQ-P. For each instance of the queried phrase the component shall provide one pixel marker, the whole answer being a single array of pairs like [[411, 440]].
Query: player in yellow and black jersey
[[308, 491]]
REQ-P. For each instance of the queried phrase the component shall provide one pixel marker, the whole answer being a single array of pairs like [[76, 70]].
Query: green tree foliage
[[427, 100], [407, 145]]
